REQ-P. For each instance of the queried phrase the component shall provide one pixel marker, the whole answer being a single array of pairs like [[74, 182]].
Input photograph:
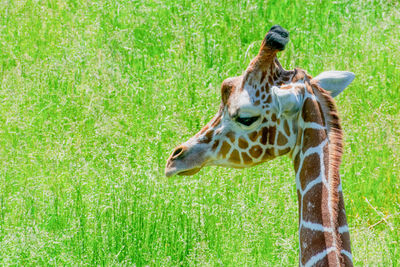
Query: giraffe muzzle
[[185, 160]]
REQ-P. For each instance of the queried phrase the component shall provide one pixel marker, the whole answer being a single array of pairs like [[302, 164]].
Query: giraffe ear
[[286, 101], [334, 81]]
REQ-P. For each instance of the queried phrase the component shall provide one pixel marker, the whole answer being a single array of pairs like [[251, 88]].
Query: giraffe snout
[[186, 159], [174, 160]]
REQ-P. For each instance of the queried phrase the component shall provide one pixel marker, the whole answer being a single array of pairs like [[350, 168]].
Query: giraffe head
[[257, 119]]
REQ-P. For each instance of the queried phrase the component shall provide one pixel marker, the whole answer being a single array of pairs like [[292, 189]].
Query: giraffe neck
[[323, 232]]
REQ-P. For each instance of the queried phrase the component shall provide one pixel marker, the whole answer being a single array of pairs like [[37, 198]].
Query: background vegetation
[[94, 96]]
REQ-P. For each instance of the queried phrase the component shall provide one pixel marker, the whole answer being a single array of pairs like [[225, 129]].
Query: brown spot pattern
[[253, 136], [311, 113], [310, 169], [224, 149], [345, 237], [246, 158], [282, 140], [312, 138], [255, 151], [242, 143], [341, 214], [313, 242], [272, 133], [235, 157], [264, 135], [315, 205], [268, 154]]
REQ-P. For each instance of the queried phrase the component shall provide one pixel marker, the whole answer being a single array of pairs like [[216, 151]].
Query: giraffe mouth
[[173, 171], [189, 172]]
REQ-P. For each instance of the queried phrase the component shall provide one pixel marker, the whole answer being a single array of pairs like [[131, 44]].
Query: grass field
[[94, 97]]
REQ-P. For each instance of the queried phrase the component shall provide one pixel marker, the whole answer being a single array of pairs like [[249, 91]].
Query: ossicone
[[276, 38]]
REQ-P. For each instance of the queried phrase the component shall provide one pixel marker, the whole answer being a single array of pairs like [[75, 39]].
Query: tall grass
[[93, 97]]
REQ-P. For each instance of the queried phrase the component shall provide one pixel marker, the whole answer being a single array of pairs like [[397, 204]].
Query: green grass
[[93, 98]]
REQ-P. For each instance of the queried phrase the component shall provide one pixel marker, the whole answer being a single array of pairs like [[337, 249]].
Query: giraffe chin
[[189, 172], [173, 171]]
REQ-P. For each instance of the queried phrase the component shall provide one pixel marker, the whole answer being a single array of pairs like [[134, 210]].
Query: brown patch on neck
[[311, 112], [310, 170], [315, 205], [317, 242], [312, 138]]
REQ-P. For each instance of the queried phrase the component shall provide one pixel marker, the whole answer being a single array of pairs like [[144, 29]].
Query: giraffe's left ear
[[334, 81]]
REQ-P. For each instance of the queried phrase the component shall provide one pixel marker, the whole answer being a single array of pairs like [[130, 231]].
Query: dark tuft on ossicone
[[277, 38]]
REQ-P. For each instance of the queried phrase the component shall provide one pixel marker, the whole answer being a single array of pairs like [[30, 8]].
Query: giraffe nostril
[[177, 153]]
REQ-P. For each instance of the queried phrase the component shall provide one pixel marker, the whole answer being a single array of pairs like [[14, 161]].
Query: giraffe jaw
[[174, 171], [189, 172]]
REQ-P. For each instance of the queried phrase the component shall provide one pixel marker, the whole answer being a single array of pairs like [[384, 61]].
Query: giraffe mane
[[335, 137]]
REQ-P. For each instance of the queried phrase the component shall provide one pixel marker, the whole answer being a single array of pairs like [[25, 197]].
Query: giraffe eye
[[247, 120]]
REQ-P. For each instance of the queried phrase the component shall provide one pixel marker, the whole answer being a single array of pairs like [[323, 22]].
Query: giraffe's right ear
[[286, 101], [334, 81]]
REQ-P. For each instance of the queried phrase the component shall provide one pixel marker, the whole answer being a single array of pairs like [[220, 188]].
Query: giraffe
[[268, 112]]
